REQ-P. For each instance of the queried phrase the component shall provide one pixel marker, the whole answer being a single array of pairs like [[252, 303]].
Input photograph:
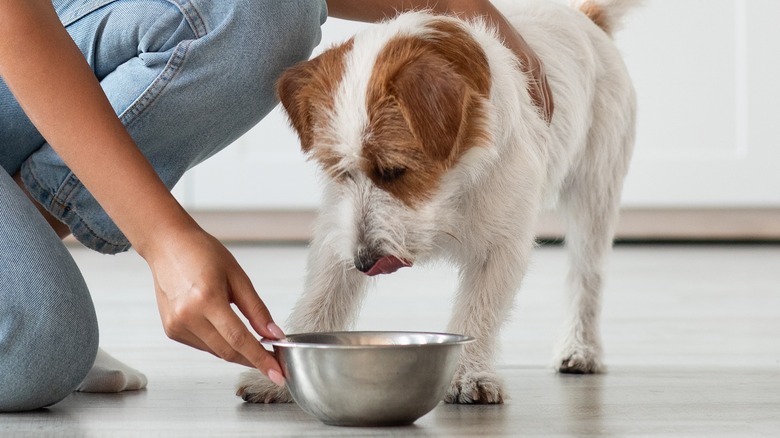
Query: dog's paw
[[581, 360], [476, 387], [254, 387]]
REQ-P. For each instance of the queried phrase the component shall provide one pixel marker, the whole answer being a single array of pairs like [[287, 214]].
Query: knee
[[269, 36], [299, 30], [50, 351], [279, 32]]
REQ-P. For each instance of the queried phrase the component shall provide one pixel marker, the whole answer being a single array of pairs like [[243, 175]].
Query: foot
[[475, 387], [111, 375], [579, 359]]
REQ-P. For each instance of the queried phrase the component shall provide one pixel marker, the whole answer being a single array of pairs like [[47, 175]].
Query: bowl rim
[[458, 339]]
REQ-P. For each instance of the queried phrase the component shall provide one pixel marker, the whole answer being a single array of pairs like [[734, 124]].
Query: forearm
[[60, 94], [196, 278]]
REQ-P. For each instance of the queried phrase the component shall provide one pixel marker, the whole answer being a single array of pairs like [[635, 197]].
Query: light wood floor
[[692, 336]]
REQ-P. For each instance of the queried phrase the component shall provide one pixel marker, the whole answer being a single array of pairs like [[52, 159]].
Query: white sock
[[111, 375]]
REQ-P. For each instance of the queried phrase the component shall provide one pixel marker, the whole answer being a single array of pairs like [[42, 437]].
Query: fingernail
[[276, 377], [275, 330]]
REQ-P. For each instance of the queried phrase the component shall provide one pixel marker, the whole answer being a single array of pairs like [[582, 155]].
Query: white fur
[[483, 216]]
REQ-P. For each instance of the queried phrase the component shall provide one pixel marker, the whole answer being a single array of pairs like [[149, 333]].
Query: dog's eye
[[390, 174]]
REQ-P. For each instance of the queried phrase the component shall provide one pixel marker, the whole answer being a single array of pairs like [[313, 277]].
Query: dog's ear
[[433, 100], [306, 90], [293, 91], [443, 89]]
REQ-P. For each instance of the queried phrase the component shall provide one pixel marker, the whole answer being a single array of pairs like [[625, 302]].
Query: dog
[[432, 148]]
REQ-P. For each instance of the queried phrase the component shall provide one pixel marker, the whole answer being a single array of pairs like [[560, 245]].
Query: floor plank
[[692, 336]]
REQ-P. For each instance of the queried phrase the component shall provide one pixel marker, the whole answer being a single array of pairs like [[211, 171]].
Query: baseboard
[[258, 226], [743, 224], [635, 224]]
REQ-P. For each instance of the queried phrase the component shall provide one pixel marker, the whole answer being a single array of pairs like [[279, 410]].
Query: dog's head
[[389, 115]]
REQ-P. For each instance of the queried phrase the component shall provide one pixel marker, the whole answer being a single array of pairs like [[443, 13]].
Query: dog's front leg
[[486, 291], [333, 293]]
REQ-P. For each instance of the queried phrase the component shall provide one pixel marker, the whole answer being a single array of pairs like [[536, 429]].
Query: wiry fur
[[477, 205]]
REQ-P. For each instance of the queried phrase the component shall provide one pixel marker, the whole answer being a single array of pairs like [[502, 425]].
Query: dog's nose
[[365, 259]]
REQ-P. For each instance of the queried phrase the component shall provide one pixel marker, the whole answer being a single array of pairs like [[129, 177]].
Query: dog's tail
[[607, 14]]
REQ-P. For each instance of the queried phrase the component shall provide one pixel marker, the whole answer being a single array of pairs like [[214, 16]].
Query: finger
[[240, 341], [214, 345], [252, 307], [210, 341], [213, 342]]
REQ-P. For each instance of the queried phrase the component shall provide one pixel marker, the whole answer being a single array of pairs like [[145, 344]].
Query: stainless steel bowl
[[368, 378]]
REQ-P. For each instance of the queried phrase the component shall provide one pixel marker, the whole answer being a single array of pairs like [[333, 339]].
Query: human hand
[[196, 281], [196, 278]]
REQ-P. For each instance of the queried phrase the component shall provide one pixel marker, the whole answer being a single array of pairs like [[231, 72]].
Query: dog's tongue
[[387, 265]]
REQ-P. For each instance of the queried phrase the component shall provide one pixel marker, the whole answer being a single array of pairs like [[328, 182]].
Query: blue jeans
[[186, 77]]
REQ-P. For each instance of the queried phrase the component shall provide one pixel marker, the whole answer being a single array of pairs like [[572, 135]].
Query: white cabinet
[[708, 135], [706, 77]]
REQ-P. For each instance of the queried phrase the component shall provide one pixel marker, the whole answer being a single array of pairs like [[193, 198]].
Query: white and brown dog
[[432, 147]]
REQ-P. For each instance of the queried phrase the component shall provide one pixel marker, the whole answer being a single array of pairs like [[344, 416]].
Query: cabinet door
[[706, 77]]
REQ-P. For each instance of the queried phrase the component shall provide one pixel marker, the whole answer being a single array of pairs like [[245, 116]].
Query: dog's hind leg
[[589, 205], [588, 240]]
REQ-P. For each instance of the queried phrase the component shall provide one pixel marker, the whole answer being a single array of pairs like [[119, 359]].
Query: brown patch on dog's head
[[307, 90], [596, 13], [425, 104]]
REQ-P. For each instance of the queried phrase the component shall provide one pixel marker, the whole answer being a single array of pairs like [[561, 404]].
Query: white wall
[[708, 133]]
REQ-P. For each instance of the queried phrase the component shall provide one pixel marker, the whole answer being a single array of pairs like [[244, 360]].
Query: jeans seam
[[79, 13], [155, 89], [69, 188], [40, 186], [193, 16], [60, 206]]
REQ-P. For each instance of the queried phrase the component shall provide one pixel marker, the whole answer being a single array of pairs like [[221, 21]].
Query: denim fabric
[[48, 328], [187, 77]]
